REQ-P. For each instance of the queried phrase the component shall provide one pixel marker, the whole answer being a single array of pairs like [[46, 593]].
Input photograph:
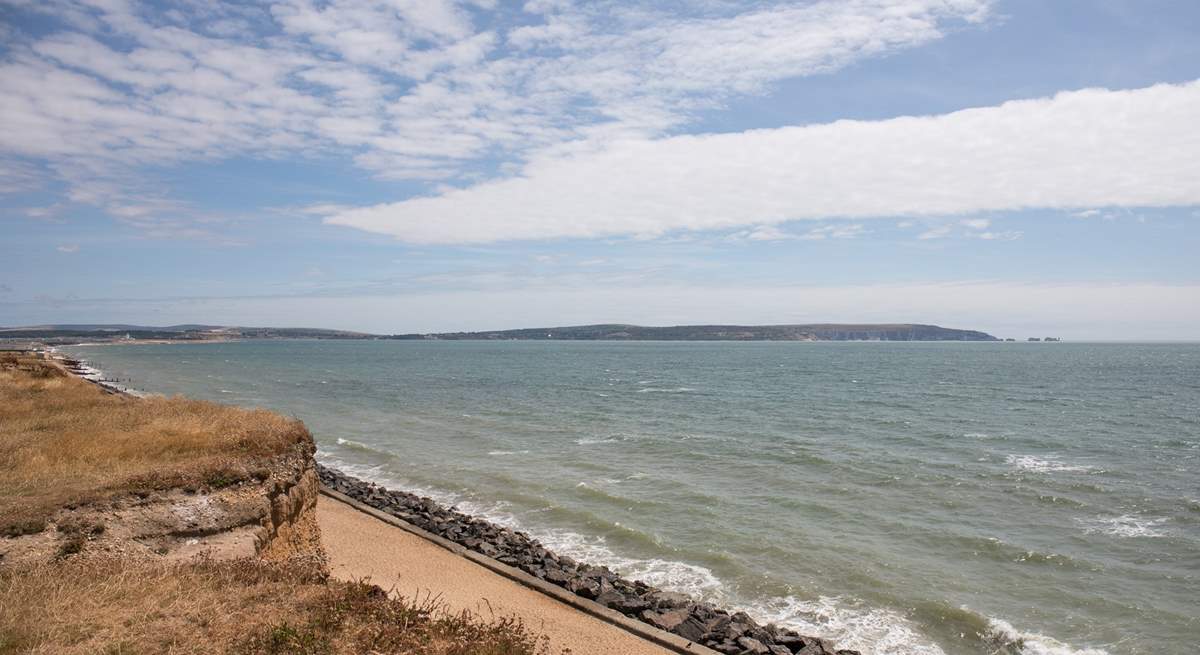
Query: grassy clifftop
[[65, 442], [167, 525]]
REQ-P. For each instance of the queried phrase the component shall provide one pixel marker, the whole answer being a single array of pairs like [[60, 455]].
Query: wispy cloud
[[69, 249], [420, 90]]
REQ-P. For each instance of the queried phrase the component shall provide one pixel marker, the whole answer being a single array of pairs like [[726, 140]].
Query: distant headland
[[63, 334], [799, 332]]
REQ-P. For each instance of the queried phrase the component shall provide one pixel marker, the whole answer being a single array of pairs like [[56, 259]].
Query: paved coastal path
[[361, 546]]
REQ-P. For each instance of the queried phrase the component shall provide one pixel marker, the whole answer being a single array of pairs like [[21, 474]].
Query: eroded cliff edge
[[89, 473], [169, 525]]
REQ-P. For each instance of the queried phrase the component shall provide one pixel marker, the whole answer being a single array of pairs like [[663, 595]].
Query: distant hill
[[805, 332], [111, 332], [605, 332]]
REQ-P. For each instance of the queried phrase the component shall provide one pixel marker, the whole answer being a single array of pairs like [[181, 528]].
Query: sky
[[1022, 167]]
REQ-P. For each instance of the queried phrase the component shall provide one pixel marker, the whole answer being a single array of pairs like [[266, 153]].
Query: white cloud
[[69, 249], [1006, 235], [1077, 149], [976, 223], [835, 231], [938, 232]]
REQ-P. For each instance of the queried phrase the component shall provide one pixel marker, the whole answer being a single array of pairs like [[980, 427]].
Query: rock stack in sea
[[700, 622]]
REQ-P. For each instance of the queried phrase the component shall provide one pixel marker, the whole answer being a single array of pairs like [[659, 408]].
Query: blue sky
[[1026, 168]]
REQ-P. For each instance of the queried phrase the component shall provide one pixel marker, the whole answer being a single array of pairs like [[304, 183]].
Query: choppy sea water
[[927, 498]]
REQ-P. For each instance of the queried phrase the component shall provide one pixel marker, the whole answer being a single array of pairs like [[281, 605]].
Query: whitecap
[[1126, 525], [1007, 638], [1038, 465], [672, 390], [874, 630], [501, 453], [351, 442], [847, 623]]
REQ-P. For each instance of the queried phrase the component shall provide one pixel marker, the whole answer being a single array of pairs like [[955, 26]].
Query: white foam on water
[[375, 474], [1038, 465], [873, 630], [502, 453], [659, 390], [848, 624], [671, 575], [1004, 635], [1126, 525], [94, 374], [351, 442], [591, 442]]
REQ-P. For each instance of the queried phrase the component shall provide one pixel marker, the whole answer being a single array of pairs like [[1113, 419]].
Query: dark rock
[[791, 641], [582, 586], [669, 599], [815, 646], [752, 646], [717, 627], [610, 598], [630, 604], [665, 620], [691, 629]]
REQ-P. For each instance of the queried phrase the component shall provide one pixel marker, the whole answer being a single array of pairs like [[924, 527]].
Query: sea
[[897, 498]]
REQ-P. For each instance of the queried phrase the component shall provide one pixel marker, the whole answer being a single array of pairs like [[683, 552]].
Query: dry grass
[[114, 606], [64, 441]]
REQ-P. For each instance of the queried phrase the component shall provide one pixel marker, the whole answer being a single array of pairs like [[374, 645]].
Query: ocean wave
[[354, 444], [1126, 525], [878, 631], [845, 622], [663, 390], [594, 441], [667, 574], [999, 550], [502, 453], [1038, 465], [848, 623], [1002, 636]]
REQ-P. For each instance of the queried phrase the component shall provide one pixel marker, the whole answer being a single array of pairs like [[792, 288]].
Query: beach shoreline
[[722, 630]]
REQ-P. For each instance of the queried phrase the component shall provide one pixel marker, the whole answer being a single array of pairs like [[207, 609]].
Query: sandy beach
[[361, 546]]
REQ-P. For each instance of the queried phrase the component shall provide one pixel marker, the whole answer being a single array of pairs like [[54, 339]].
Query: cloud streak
[[1078, 149]]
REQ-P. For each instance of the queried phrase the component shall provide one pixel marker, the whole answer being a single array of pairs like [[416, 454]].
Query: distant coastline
[[98, 333]]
